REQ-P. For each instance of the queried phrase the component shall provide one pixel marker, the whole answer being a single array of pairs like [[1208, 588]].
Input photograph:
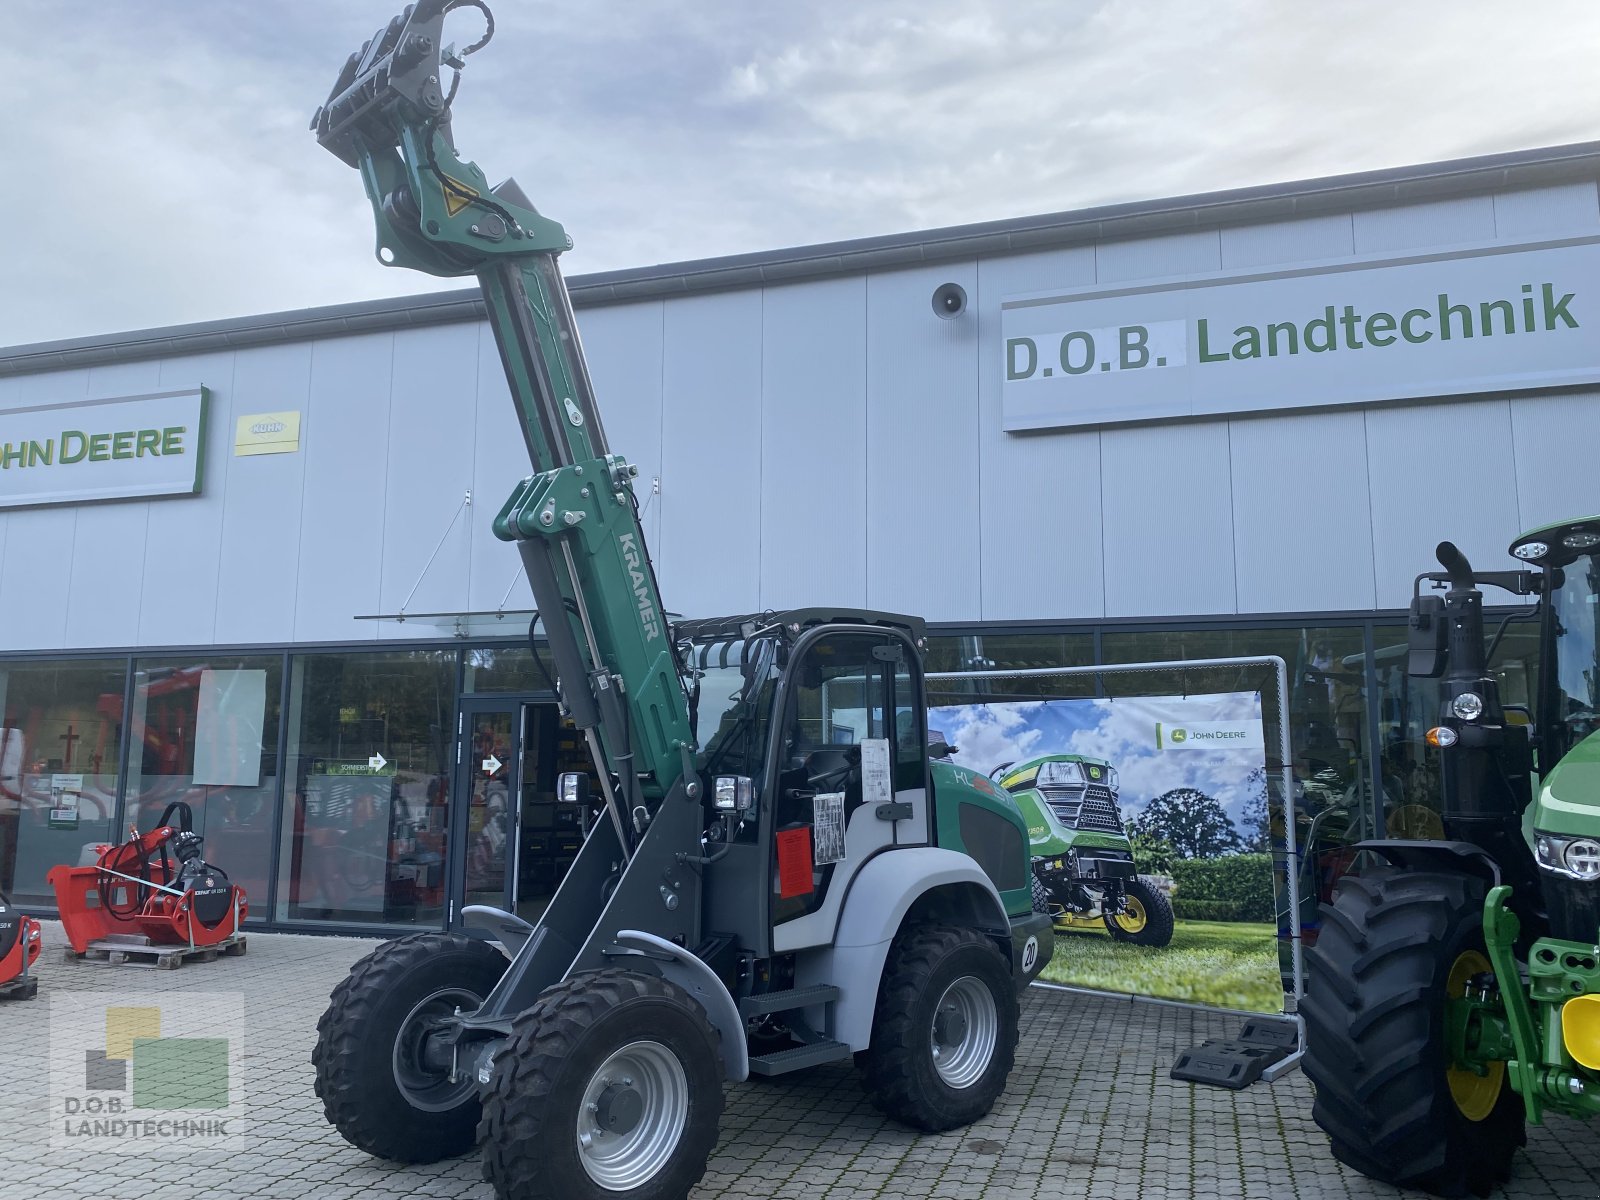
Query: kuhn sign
[[1365, 331]]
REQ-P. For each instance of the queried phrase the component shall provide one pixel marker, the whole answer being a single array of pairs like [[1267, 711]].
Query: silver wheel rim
[[966, 1027], [632, 1115], [423, 1087]]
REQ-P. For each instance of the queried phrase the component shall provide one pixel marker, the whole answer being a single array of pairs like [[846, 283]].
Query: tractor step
[[126, 951], [797, 1059], [788, 1000], [1265, 1048]]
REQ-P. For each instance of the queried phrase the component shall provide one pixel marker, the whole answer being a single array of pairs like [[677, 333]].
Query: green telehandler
[[1454, 990], [782, 877]]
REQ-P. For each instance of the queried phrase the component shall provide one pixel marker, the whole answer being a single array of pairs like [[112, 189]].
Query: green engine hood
[[1569, 800]]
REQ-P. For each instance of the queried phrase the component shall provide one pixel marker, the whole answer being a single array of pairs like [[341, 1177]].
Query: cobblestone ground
[[1090, 1112]]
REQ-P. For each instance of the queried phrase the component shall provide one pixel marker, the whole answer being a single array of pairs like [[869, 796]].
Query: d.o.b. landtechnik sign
[[1486, 320], [117, 449]]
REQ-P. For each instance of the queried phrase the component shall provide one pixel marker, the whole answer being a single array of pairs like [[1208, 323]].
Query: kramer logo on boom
[[641, 589]]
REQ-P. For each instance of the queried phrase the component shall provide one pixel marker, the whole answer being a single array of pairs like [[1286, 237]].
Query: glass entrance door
[[512, 839]]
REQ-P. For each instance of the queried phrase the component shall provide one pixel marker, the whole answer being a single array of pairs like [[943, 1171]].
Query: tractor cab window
[[732, 690], [1577, 652]]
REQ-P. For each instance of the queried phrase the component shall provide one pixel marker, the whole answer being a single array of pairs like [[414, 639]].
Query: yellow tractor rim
[[1474, 1094], [1132, 918]]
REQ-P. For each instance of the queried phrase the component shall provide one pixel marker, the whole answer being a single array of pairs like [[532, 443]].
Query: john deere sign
[[117, 449], [1359, 332]]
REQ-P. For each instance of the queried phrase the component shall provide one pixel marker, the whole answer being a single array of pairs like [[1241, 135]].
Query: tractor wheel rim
[[1474, 1095], [632, 1116], [426, 1087], [966, 1028], [1132, 918]]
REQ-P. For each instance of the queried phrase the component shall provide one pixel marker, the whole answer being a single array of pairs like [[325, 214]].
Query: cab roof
[[1563, 542]]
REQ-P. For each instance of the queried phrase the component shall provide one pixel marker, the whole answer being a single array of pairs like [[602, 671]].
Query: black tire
[[359, 1048], [902, 1076], [1158, 919], [557, 1047], [1375, 1035], [1041, 896]]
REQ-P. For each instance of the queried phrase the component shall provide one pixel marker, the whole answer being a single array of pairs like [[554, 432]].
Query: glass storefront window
[[1008, 652], [364, 827], [507, 669], [59, 750], [205, 732]]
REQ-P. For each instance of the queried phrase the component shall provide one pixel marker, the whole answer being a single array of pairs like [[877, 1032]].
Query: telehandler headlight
[[1441, 737], [1531, 551], [733, 793], [1468, 706], [1581, 540]]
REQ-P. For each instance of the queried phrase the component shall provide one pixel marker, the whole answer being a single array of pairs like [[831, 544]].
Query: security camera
[[949, 301]]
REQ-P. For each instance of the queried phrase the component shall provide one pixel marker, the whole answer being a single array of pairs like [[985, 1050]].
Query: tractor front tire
[[1147, 919], [944, 1034], [374, 1086], [1041, 895], [1394, 947], [611, 1086]]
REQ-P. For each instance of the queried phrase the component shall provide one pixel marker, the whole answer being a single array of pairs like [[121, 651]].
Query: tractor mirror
[[572, 787], [1425, 637]]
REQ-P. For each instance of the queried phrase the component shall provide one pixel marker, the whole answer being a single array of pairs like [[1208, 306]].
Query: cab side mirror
[[1426, 637]]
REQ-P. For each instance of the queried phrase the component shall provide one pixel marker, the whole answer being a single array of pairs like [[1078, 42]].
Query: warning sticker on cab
[[827, 826], [794, 863]]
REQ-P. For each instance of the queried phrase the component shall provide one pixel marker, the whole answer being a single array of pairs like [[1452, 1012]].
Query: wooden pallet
[[141, 952]]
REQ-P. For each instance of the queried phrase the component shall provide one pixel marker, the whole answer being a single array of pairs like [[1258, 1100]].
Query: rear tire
[[945, 1032], [374, 1088], [1392, 946], [1149, 920], [637, 1048]]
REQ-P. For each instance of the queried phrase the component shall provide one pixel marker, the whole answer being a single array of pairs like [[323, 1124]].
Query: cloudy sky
[[159, 169], [1120, 732]]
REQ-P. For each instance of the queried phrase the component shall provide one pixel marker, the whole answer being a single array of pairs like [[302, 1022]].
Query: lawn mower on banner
[[155, 887], [20, 941]]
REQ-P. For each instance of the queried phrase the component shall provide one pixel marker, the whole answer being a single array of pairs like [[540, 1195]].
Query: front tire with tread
[[1375, 1035], [1158, 919], [531, 1111], [901, 1077], [355, 1055]]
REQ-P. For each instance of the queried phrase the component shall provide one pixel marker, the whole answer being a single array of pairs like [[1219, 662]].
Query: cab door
[[850, 763]]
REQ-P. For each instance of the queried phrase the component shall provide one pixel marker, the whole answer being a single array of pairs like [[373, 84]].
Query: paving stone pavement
[[1090, 1112]]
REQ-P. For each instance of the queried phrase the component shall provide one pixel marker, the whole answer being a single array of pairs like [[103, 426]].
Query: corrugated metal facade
[[828, 442]]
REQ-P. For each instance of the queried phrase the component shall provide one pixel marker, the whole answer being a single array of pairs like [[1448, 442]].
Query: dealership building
[[248, 563]]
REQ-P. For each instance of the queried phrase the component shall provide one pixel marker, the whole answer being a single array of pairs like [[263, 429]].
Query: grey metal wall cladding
[[624, 344], [708, 556], [1555, 439], [344, 439], [1168, 520], [1284, 242], [829, 441], [1439, 471], [262, 518], [1159, 257], [1302, 525], [814, 467], [431, 410], [924, 528], [1417, 226], [1040, 495]]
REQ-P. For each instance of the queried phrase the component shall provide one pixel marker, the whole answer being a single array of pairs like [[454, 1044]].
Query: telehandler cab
[[1454, 991], [782, 878]]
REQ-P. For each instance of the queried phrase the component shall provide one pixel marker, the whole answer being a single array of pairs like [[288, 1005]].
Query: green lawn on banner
[[1231, 965]]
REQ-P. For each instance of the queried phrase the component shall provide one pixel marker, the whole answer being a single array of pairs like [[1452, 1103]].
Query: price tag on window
[[877, 786]]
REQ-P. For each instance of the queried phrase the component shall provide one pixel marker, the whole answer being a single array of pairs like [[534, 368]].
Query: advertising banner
[[1149, 828], [1356, 331]]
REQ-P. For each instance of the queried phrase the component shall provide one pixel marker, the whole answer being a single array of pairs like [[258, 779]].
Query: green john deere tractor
[[1083, 871], [1454, 992]]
